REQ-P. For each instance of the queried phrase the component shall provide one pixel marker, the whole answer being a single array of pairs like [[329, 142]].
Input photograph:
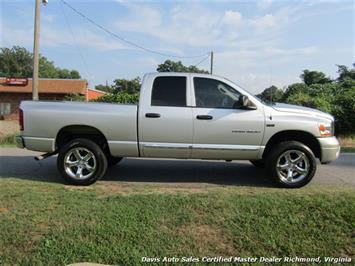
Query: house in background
[[15, 90], [93, 94]]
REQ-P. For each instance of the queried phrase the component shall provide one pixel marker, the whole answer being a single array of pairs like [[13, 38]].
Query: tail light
[[21, 120]]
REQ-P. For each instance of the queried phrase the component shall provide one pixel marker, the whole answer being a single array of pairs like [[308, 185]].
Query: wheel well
[[69, 133], [294, 135]]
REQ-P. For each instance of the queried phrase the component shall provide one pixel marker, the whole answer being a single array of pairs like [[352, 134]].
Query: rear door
[[165, 119]]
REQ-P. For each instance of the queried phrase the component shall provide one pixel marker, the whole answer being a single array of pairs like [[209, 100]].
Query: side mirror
[[244, 103]]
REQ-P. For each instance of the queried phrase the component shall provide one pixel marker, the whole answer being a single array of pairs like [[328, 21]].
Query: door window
[[169, 91], [211, 93]]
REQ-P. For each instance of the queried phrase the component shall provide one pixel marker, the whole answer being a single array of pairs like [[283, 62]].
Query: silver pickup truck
[[180, 115]]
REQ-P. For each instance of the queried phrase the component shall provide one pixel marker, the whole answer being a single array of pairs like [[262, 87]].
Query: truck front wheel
[[291, 164], [81, 162]]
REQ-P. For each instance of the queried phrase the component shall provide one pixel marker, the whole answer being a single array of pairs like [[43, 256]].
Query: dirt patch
[[41, 230], [3, 210], [111, 189], [87, 264], [207, 236], [47, 189], [107, 190], [78, 188], [179, 190]]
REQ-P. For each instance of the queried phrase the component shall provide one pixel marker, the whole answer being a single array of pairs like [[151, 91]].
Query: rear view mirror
[[244, 103]]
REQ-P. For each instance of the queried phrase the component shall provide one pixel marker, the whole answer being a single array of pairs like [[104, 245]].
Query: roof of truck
[[180, 74]]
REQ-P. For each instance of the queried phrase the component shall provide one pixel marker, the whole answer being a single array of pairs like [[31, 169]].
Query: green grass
[[116, 223], [8, 140], [347, 149]]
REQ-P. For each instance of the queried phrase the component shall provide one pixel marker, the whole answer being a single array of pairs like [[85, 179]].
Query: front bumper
[[20, 143], [330, 149]]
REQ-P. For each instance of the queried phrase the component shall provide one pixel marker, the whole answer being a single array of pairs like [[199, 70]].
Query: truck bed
[[117, 122]]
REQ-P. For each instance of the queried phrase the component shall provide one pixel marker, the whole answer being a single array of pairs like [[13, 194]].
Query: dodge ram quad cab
[[180, 115]]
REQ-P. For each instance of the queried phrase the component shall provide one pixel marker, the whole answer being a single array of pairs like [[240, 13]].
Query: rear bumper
[[20, 143], [35, 144], [330, 149]]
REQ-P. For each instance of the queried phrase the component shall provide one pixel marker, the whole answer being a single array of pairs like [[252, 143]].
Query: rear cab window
[[169, 91]]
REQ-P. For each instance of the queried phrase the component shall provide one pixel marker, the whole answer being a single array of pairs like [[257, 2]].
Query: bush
[[307, 100], [8, 139], [344, 108], [75, 97], [121, 97]]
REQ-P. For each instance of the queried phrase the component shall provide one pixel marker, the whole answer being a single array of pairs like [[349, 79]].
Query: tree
[[294, 89], [345, 73], [126, 85], [122, 91], [171, 66], [336, 97], [120, 97], [344, 107], [15, 62], [271, 94], [319, 102], [18, 62], [314, 77], [105, 88]]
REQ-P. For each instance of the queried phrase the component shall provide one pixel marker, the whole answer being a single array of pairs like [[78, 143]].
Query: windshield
[[266, 102], [256, 97]]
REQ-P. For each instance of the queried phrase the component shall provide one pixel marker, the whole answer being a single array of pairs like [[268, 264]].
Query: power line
[[125, 40], [200, 62], [75, 43]]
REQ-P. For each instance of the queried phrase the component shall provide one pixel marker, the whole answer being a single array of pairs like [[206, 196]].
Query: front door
[[221, 130], [166, 122]]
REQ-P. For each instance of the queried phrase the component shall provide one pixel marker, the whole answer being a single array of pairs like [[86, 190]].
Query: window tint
[[211, 93], [169, 91]]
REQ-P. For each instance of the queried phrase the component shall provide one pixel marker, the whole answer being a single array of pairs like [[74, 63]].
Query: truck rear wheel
[[81, 162], [291, 164]]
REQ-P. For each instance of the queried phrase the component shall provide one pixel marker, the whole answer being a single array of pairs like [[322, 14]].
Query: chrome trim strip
[[227, 147], [166, 145], [37, 138], [122, 142], [202, 146]]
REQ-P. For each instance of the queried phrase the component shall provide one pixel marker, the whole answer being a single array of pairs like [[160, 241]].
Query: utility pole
[[271, 96], [36, 49], [211, 69]]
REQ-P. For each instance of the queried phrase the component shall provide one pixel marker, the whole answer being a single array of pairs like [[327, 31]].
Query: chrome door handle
[[204, 117], [152, 115]]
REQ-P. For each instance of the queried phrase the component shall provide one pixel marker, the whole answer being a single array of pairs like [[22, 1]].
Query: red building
[[13, 91], [93, 94]]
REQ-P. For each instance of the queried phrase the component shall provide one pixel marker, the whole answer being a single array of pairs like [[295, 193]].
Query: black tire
[[294, 148], [112, 161], [97, 162], [258, 163]]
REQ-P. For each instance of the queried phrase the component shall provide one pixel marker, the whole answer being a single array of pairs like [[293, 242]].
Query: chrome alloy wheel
[[292, 166], [80, 163]]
